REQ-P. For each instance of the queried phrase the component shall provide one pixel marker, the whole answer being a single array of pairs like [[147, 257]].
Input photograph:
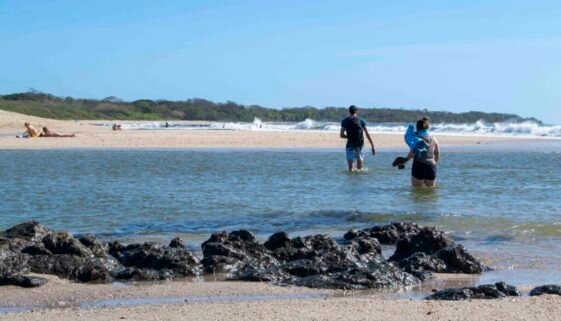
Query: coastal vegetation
[[46, 105]]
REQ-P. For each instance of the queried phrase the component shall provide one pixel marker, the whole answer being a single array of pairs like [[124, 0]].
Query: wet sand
[[188, 300]]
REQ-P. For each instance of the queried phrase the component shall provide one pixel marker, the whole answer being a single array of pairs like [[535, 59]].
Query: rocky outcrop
[[29, 231], [546, 289], [65, 243], [458, 260], [315, 261], [177, 242], [228, 252], [428, 240], [487, 291], [31, 247], [150, 261], [432, 250], [422, 265], [22, 280], [91, 242], [386, 234], [318, 261]]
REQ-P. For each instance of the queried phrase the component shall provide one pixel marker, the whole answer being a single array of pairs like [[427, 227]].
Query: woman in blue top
[[425, 155]]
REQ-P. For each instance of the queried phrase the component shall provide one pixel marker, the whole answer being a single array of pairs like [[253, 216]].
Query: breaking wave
[[520, 129]]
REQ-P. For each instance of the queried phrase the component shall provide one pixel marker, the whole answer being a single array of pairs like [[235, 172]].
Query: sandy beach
[[181, 300], [91, 134], [219, 300]]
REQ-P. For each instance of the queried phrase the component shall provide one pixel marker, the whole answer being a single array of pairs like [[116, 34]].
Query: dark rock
[[84, 269], [453, 294], [65, 243], [458, 260], [509, 290], [278, 240], [62, 265], [274, 274], [351, 234], [116, 249], [428, 240], [36, 249], [546, 289], [177, 242], [228, 252], [24, 281], [386, 234], [486, 291], [367, 245], [381, 275], [314, 261], [12, 263], [305, 247], [243, 235], [318, 261], [179, 261], [422, 265], [223, 264], [136, 274], [91, 242], [30, 231], [306, 267], [14, 245], [96, 269]]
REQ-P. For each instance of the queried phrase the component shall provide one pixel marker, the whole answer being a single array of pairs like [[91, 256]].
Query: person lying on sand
[[47, 133], [31, 131]]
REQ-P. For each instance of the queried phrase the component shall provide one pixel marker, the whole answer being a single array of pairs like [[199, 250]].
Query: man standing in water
[[353, 129]]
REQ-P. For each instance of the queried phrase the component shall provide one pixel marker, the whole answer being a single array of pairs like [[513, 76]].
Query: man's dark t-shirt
[[355, 137]]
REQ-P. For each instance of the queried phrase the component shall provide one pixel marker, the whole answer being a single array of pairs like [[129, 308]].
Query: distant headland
[[40, 104]]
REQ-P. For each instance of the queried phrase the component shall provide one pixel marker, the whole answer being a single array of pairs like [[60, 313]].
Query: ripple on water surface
[[489, 201]]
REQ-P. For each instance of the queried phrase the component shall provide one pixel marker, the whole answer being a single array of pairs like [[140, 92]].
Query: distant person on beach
[[116, 126], [167, 125], [425, 155], [47, 133], [353, 129], [31, 131]]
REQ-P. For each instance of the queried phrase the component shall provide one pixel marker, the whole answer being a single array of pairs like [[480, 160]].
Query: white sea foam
[[512, 129]]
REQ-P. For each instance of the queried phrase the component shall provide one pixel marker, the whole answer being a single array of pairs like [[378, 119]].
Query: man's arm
[[342, 133], [370, 140]]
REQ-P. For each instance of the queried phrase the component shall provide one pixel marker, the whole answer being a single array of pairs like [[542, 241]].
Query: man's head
[[353, 110], [26, 124]]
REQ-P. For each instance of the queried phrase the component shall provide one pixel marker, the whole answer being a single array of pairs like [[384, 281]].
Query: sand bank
[[90, 134], [188, 300]]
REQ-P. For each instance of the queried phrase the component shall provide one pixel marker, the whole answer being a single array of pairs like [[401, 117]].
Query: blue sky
[[502, 56]]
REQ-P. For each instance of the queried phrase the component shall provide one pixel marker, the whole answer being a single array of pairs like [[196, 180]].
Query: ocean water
[[503, 206], [530, 129]]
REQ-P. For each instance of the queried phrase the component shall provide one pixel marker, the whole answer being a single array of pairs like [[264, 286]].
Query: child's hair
[[423, 123]]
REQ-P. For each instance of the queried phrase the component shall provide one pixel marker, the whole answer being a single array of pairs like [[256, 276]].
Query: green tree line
[[111, 108]]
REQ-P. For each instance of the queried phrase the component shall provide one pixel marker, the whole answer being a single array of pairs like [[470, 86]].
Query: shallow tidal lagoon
[[503, 206]]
